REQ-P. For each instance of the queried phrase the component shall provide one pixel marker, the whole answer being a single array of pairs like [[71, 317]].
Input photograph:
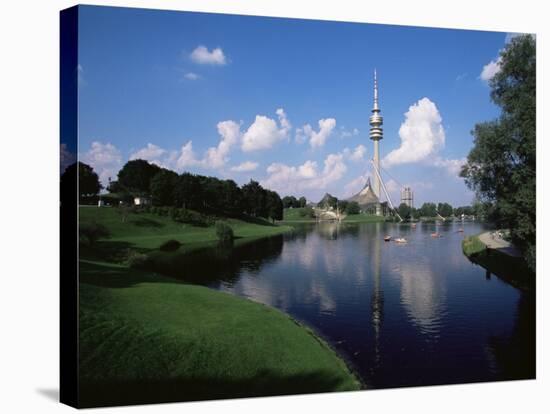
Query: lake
[[409, 314]]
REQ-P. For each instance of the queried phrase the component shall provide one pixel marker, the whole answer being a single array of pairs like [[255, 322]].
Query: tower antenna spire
[[375, 91]]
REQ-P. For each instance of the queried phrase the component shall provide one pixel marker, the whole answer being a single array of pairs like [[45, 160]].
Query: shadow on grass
[[113, 276], [257, 220], [207, 264], [128, 392], [217, 263], [146, 222], [109, 251]]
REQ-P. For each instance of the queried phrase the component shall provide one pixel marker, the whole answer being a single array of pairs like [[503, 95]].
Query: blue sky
[[282, 101]]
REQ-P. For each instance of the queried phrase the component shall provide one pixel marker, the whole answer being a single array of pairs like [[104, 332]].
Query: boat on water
[[387, 238], [400, 240], [436, 235], [460, 230], [413, 225]]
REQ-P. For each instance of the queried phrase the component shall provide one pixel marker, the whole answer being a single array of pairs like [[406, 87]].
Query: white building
[[407, 196], [142, 201]]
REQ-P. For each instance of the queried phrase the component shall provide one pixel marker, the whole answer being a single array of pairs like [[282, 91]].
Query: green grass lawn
[[149, 231], [148, 338], [514, 270], [364, 218]]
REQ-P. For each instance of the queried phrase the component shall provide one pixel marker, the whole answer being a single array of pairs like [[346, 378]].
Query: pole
[[385, 191]]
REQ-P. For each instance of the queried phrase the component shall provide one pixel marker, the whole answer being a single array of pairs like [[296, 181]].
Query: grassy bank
[[364, 218], [147, 338], [149, 231], [513, 270]]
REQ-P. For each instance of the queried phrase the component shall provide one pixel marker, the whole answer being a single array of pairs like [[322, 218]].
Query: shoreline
[[113, 291], [500, 260]]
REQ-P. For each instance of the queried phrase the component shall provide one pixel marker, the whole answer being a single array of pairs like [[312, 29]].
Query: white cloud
[[461, 76], [490, 69], [203, 56], [289, 179], [191, 76], [186, 157], [264, 132], [105, 159], [355, 185], [316, 139], [230, 133], [452, 166], [344, 133], [151, 152], [422, 135], [356, 154], [246, 166]]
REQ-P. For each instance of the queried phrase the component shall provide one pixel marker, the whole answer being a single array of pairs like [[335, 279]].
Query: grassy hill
[[147, 338], [149, 231]]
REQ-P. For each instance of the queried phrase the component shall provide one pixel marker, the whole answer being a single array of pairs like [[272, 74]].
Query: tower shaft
[[376, 134], [376, 159]]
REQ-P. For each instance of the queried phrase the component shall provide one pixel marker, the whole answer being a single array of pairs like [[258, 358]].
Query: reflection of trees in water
[[220, 263], [515, 356]]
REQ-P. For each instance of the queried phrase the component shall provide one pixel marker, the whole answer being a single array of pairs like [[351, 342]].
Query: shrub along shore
[[145, 337]]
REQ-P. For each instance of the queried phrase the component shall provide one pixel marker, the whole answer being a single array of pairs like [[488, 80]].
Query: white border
[[29, 226]]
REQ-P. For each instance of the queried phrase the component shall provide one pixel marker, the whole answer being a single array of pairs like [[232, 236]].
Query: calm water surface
[[401, 315]]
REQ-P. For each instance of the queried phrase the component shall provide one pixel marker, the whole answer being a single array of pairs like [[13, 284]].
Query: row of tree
[[432, 210], [139, 178], [293, 202]]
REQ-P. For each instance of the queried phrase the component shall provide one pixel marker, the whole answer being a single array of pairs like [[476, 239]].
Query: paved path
[[491, 240]]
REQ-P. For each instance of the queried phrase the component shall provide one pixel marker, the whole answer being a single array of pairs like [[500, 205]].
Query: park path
[[493, 241]]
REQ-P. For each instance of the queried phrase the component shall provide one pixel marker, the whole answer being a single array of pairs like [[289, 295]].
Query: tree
[[428, 210], [136, 175], [274, 205], [445, 209], [187, 193], [88, 180], [290, 202], [501, 166], [466, 210], [163, 186], [307, 212], [353, 208], [232, 197], [302, 202], [342, 205], [254, 199], [404, 211]]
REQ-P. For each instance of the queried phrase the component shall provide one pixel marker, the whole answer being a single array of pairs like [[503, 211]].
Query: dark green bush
[[307, 212], [91, 232], [224, 232], [170, 245]]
